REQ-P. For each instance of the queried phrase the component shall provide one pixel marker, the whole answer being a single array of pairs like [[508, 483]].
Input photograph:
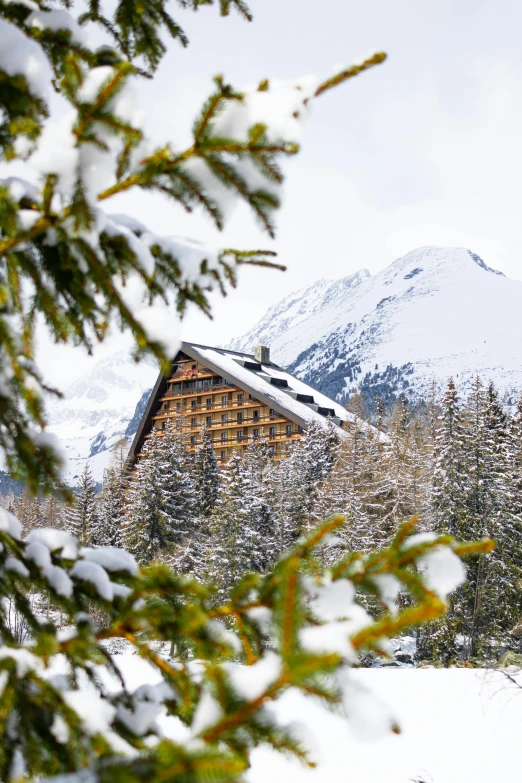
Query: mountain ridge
[[432, 313]]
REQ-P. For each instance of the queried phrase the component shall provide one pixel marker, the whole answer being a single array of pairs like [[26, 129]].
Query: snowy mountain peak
[[435, 312]]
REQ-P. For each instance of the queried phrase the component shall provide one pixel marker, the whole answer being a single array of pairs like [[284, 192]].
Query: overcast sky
[[424, 149]]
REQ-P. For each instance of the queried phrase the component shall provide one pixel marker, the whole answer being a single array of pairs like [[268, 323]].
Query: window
[[194, 404], [224, 400], [209, 420], [192, 440], [194, 422], [240, 418], [256, 434], [272, 432], [209, 402], [223, 456], [240, 398], [178, 406], [177, 387], [224, 418], [194, 366], [256, 415], [224, 437], [300, 430], [163, 425], [239, 436], [271, 451], [288, 430], [272, 412]]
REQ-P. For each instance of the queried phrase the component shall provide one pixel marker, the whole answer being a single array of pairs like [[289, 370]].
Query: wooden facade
[[240, 397], [234, 417]]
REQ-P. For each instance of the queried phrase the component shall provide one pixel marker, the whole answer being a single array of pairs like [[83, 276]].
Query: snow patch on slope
[[97, 411]]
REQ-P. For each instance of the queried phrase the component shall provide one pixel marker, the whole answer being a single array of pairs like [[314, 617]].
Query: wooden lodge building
[[240, 397]]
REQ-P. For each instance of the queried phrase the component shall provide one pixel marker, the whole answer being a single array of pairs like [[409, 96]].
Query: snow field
[[457, 726]]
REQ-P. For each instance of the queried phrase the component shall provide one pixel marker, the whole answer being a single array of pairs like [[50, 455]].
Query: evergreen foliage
[[161, 505], [111, 513], [206, 475], [234, 546], [286, 629], [82, 519]]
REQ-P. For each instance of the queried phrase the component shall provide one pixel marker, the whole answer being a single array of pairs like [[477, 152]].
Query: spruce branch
[[349, 73]]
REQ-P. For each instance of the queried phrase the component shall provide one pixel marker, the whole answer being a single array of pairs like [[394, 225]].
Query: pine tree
[[232, 548], [473, 494], [161, 503], [111, 515], [146, 529], [448, 486], [447, 512], [178, 482], [290, 502], [317, 452], [497, 600], [82, 518], [206, 475]]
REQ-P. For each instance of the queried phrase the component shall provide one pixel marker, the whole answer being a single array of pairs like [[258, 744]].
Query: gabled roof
[[267, 382]]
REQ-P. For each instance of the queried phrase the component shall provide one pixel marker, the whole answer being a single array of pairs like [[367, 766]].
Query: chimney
[[262, 354]]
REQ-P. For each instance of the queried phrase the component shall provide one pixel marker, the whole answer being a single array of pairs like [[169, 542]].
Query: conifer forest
[[453, 462]]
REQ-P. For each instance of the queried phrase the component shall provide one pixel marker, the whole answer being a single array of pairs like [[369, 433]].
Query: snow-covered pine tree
[[146, 528], [290, 502], [259, 464], [206, 475], [447, 512], [161, 499], [449, 479], [232, 548], [111, 515], [82, 517], [502, 603], [178, 482], [317, 452], [472, 496]]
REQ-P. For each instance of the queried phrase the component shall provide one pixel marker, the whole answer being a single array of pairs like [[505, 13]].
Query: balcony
[[246, 439], [232, 422], [202, 407]]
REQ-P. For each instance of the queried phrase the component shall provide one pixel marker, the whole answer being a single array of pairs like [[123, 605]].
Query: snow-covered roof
[[267, 382]]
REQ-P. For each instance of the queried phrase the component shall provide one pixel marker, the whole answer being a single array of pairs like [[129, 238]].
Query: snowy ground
[[458, 726]]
